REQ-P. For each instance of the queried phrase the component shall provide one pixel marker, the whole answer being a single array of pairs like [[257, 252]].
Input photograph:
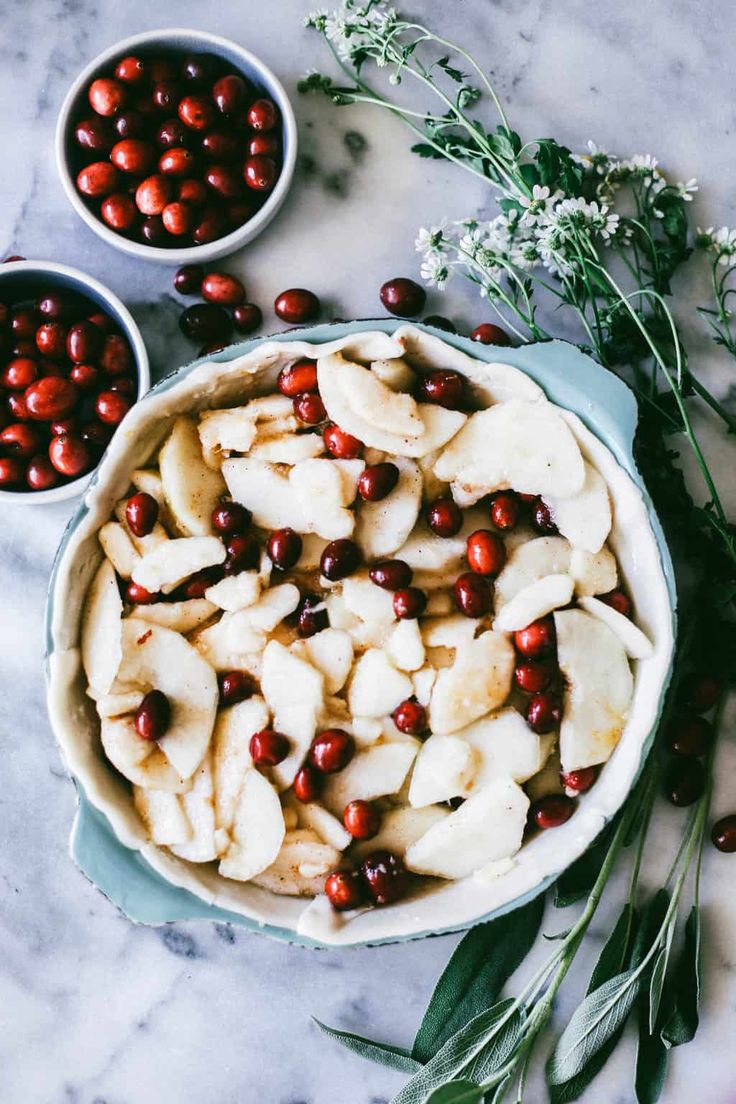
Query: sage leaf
[[592, 1024], [651, 922], [482, 962], [577, 881], [614, 957], [651, 1055], [456, 1092], [386, 1055], [681, 1024]]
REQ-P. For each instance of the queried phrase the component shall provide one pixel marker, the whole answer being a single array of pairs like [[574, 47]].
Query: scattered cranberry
[[578, 781], [377, 481], [188, 279], [153, 716], [339, 559], [331, 750], [361, 819], [111, 407], [617, 600], [440, 323], [344, 890], [702, 693], [505, 510], [684, 781], [485, 552], [311, 616], [537, 639], [296, 306], [385, 877], [403, 297], [284, 548], [205, 322], [307, 784], [230, 517], [298, 379], [50, 398], [391, 574], [141, 513], [724, 834], [551, 811], [542, 518], [409, 603], [243, 553], [11, 471], [443, 387], [533, 676], [106, 96], [689, 735], [488, 334], [340, 444], [543, 713], [410, 717], [41, 475], [69, 455], [222, 288], [472, 595], [137, 595], [268, 748], [247, 317], [444, 517], [309, 409], [235, 686]]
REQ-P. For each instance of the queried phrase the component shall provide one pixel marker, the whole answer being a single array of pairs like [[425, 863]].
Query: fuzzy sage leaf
[[681, 1023], [592, 1024], [456, 1092], [386, 1055]]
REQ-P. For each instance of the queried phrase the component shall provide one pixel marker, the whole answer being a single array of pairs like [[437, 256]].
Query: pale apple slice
[[144, 544], [257, 830], [182, 617], [372, 772], [157, 658], [206, 841], [487, 827], [636, 644], [331, 652], [192, 489], [231, 756], [279, 500], [448, 632], [289, 448], [505, 745], [119, 548], [598, 692], [366, 730], [478, 681], [162, 815], [405, 647], [423, 681], [399, 829], [235, 592], [225, 431], [376, 687], [584, 518], [367, 601], [294, 691], [312, 549], [350, 472], [148, 480], [395, 373], [140, 761], [230, 644], [101, 643], [529, 562], [272, 607], [524, 445], [535, 601], [498, 383], [301, 866], [382, 527], [118, 704], [169, 564], [376, 403], [594, 573], [329, 829], [445, 768], [426, 552]]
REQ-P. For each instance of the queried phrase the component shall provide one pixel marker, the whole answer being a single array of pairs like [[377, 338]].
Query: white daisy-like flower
[[317, 19], [434, 271], [724, 243], [431, 240], [686, 189], [537, 204]]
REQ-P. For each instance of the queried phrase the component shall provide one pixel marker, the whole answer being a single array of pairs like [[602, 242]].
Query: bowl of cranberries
[[176, 145], [72, 363]]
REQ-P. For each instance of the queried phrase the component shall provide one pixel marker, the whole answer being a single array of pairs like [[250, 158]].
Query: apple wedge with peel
[[635, 642], [395, 373], [257, 830], [101, 644], [598, 691], [231, 756], [444, 768], [119, 548], [169, 564], [288, 448], [191, 488], [301, 865], [163, 816], [294, 693], [489, 826], [478, 682], [382, 527], [585, 517], [329, 829], [534, 601], [373, 772]]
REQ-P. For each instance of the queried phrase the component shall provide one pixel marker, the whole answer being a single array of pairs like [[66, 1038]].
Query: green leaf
[[386, 1055], [651, 1056], [651, 922], [481, 964], [577, 881], [681, 1024], [423, 150], [456, 1092], [592, 1024]]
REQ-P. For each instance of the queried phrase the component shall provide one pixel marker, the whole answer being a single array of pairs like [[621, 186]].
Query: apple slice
[[376, 403], [382, 527], [366, 730], [372, 772], [231, 644], [584, 518], [399, 829], [182, 617], [478, 681], [423, 682], [163, 816], [101, 644], [206, 841], [140, 761], [448, 632], [157, 658], [118, 704], [301, 865], [636, 644], [231, 754], [331, 652], [148, 480], [405, 647], [524, 445], [528, 563], [594, 573], [272, 607], [599, 689], [280, 500], [376, 687], [505, 745], [191, 488], [329, 829], [119, 548], [487, 827], [169, 564], [294, 691], [395, 373], [257, 831], [289, 448], [445, 768], [235, 592], [534, 601], [499, 383]]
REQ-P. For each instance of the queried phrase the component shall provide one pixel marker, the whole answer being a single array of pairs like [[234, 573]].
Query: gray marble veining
[[92, 1009]]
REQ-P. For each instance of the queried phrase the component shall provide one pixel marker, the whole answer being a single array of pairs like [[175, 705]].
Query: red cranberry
[[132, 124], [41, 475], [132, 156], [197, 584], [505, 510], [533, 676], [579, 781], [260, 173], [689, 735], [20, 439], [268, 145], [331, 750], [51, 340], [69, 455], [440, 323], [542, 518], [130, 70], [410, 718], [153, 230], [141, 513], [443, 387], [617, 600], [229, 93], [724, 834], [116, 358], [238, 211], [409, 603], [18, 408], [444, 517], [488, 334], [211, 225], [247, 317], [205, 322], [137, 595], [361, 819], [702, 693], [166, 95], [551, 811], [263, 115], [403, 297], [486, 552], [198, 70], [243, 553], [297, 305], [284, 548], [153, 716], [684, 781], [197, 112], [19, 373], [25, 348], [537, 639], [391, 574], [230, 517], [55, 307], [152, 194], [188, 279], [234, 686], [385, 876], [98, 179], [222, 288], [307, 784], [12, 470], [64, 425], [119, 211], [96, 435], [543, 712], [339, 559], [224, 181], [311, 616], [111, 407], [162, 68], [377, 481], [177, 218], [106, 96], [94, 134], [340, 444], [268, 748], [171, 134], [192, 192], [210, 348], [298, 379], [50, 398], [177, 161], [472, 595], [309, 409], [344, 890]]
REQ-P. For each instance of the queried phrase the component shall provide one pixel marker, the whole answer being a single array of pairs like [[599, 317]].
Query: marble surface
[[92, 1009]]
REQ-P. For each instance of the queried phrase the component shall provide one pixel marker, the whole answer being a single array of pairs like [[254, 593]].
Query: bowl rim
[[137, 886], [229, 243], [133, 333]]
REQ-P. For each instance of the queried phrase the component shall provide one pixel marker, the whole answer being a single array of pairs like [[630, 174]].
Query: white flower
[[537, 204], [434, 271], [724, 244], [598, 158], [317, 19], [686, 189], [431, 240]]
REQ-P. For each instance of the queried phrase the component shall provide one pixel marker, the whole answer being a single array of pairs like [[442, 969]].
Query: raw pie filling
[[361, 630]]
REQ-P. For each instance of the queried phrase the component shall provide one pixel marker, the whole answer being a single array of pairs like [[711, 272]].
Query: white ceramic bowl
[[188, 41], [23, 280]]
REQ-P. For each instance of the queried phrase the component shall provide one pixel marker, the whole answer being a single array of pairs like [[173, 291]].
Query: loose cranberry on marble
[[440, 323], [284, 548], [341, 445], [701, 692], [617, 600], [579, 781], [197, 112], [51, 340], [537, 639], [98, 179], [188, 279], [234, 686], [268, 747], [230, 93], [311, 616], [723, 834], [130, 70], [544, 712], [50, 398], [444, 388], [95, 135], [192, 192], [211, 225], [409, 603], [152, 194], [19, 373], [309, 409], [488, 334], [205, 322], [533, 676], [391, 574], [410, 717], [243, 553], [297, 305], [247, 317], [222, 288], [444, 517], [684, 781], [403, 297], [263, 115], [298, 379], [141, 513], [41, 475], [377, 481], [505, 510], [132, 156], [260, 173], [177, 161], [331, 750], [344, 890], [12, 471], [485, 552], [20, 439], [69, 454], [165, 95], [385, 877], [116, 357], [472, 595], [111, 407], [362, 819], [542, 518], [307, 784], [551, 811], [106, 96], [689, 735], [224, 181], [137, 595], [339, 559], [229, 518], [266, 145], [153, 716]]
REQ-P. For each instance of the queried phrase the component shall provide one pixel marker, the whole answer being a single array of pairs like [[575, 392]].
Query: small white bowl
[[188, 41], [23, 280]]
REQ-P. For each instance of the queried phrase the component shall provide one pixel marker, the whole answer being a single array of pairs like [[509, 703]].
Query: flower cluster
[[721, 243]]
